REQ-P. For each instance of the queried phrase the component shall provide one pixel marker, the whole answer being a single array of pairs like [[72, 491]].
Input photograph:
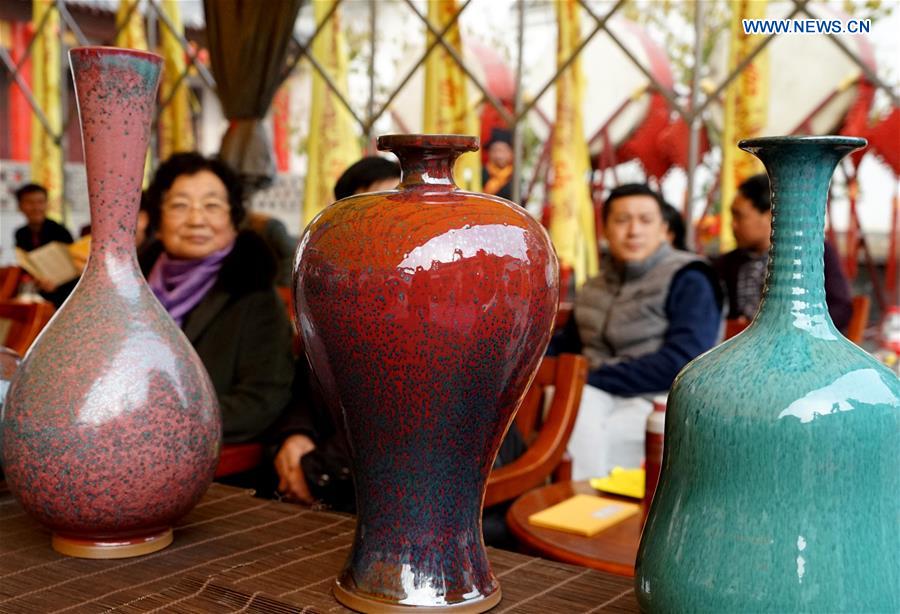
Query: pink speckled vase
[[111, 429]]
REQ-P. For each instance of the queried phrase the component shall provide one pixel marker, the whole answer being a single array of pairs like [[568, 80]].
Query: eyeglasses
[[212, 210]]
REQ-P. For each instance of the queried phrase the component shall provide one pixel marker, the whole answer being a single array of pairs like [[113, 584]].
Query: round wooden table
[[613, 550]]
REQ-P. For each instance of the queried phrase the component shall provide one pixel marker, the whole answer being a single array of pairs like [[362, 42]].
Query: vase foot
[[370, 605], [111, 548]]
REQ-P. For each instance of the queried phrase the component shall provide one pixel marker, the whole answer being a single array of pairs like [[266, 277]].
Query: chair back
[[859, 318], [9, 282], [563, 314], [545, 419], [20, 323], [238, 458], [287, 297], [733, 326]]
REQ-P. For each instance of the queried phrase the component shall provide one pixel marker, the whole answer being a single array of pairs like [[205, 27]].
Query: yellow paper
[[625, 482], [584, 514]]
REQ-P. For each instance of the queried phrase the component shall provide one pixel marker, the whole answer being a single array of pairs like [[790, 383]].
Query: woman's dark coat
[[241, 332]]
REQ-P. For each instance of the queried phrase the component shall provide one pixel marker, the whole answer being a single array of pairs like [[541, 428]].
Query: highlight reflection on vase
[[111, 430], [425, 312]]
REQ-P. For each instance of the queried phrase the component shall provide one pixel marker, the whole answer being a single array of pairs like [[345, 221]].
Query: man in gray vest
[[650, 311]]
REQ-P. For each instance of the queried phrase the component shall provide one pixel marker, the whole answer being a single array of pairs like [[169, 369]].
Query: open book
[[56, 263]]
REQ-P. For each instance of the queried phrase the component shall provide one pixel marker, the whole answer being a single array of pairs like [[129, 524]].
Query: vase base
[[111, 548], [370, 605]]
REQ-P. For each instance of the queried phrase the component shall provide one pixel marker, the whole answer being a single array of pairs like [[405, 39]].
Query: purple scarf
[[181, 284]]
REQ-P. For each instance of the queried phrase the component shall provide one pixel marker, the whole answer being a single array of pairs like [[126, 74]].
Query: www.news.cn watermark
[[806, 26]]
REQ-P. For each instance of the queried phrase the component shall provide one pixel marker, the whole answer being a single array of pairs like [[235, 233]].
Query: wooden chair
[[287, 296], [563, 313], [545, 433], [9, 282], [238, 458], [734, 326], [20, 323], [860, 317]]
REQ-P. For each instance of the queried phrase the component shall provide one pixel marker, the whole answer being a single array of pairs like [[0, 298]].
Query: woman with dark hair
[[217, 284]]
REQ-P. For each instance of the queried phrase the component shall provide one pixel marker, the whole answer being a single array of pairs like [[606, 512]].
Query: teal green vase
[[780, 488]]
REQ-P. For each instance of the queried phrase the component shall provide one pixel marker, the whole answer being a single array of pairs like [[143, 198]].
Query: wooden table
[[613, 550], [237, 553]]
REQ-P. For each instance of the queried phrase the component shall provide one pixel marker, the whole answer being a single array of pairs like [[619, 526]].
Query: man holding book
[[38, 232]]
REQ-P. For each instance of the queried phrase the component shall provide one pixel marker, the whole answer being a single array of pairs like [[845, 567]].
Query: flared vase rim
[[110, 50], [829, 140], [454, 142]]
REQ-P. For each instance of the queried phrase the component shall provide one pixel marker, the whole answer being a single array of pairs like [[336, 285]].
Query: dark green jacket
[[241, 332]]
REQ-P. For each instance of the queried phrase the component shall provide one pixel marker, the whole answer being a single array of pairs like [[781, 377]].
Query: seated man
[[39, 231], [743, 271], [649, 312]]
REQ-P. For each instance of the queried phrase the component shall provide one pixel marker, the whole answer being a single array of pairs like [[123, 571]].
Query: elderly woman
[[217, 283]]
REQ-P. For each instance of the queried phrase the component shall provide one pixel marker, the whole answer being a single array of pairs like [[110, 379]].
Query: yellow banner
[[746, 110], [130, 34], [332, 145], [175, 130], [46, 154], [446, 108], [130, 26], [572, 215]]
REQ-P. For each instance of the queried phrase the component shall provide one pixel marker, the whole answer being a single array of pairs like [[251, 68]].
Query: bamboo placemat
[[237, 553]]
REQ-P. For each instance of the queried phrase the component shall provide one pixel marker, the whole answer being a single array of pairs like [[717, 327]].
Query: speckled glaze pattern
[[780, 489], [424, 311], [111, 429]]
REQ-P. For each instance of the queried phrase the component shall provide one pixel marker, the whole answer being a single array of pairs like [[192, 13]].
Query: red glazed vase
[[425, 312], [111, 429]]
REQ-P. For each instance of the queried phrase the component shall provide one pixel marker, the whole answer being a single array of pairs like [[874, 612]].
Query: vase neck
[[800, 171], [426, 160], [795, 276], [116, 94]]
